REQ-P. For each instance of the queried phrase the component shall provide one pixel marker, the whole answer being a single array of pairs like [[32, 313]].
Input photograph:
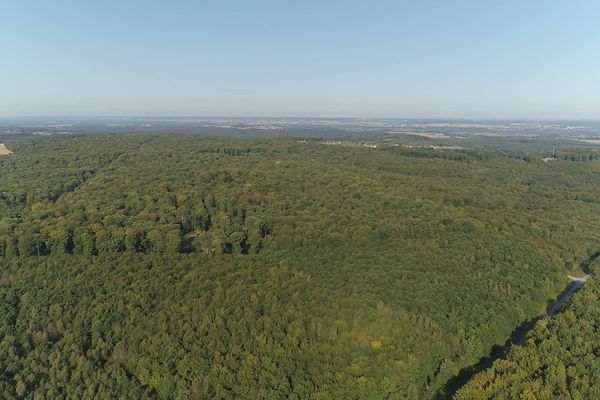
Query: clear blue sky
[[422, 58]]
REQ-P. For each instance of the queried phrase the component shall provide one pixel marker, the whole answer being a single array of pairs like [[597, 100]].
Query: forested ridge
[[172, 266]]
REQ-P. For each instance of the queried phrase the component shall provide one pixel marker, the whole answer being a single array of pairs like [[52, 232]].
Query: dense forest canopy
[[558, 361], [173, 266]]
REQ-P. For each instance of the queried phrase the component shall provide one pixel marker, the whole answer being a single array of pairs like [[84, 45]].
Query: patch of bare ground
[[3, 150]]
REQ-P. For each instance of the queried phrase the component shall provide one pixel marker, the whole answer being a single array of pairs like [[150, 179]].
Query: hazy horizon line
[[314, 117]]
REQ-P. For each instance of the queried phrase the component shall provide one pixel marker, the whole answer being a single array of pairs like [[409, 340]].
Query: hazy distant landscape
[[390, 131]]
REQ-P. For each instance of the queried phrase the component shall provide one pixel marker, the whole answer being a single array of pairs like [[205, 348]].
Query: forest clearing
[[3, 150]]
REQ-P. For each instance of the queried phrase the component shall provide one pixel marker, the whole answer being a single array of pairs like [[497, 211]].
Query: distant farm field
[[590, 141]]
